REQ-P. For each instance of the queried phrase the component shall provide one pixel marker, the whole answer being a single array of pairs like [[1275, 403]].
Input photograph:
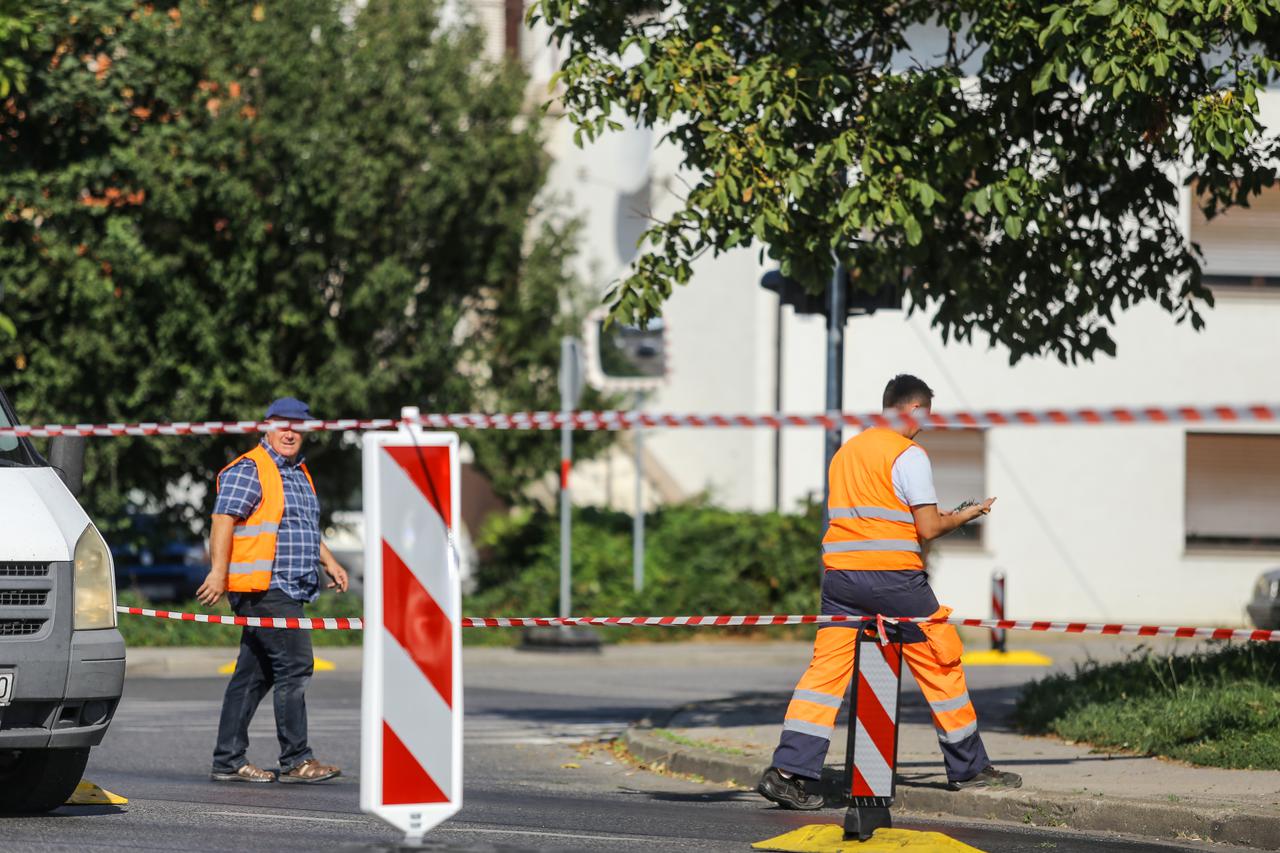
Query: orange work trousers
[[932, 652]]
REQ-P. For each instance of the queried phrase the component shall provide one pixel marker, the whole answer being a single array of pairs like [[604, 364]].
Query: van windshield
[[13, 450]]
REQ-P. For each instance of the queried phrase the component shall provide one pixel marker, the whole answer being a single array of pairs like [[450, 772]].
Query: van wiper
[[11, 463]]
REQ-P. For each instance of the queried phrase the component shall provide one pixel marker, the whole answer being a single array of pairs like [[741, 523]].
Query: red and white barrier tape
[[306, 623], [197, 428], [621, 420], [616, 420], [737, 621]]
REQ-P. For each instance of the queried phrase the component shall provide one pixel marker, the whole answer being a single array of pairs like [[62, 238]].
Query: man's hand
[[213, 588], [972, 511], [930, 523], [339, 575], [333, 569]]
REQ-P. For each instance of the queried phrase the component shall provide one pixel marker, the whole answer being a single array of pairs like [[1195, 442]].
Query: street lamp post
[[836, 311]]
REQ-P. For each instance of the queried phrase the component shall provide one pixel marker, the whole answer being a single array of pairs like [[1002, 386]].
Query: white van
[[61, 657]]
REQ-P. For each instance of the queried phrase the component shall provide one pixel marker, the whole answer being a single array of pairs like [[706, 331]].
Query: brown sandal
[[246, 773], [310, 771]]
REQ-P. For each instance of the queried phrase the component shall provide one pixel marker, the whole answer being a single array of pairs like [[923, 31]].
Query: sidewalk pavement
[[1063, 784], [205, 661]]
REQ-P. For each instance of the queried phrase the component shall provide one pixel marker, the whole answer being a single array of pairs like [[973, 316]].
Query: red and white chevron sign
[[873, 731], [411, 716]]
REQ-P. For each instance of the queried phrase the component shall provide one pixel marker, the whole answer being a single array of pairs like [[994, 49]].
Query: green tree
[[18, 29], [1022, 176], [207, 205]]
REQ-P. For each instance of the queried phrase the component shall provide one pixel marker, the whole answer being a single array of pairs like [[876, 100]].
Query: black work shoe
[[989, 778], [794, 793]]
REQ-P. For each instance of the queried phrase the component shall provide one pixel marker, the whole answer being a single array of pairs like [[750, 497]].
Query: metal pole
[[777, 407], [568, 352], [637, 518], [997, 611], [836, 312]]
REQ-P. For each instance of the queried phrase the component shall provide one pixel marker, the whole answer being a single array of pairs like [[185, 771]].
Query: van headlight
[[95, 583]]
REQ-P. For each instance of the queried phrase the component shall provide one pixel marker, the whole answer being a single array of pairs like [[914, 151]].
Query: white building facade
[[1163, 524]]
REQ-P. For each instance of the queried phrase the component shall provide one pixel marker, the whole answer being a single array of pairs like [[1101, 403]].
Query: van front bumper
[[77, 715]]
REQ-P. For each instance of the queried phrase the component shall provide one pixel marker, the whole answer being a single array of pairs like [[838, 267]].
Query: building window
[[1233, 490], [1239, 245], [959, 474]]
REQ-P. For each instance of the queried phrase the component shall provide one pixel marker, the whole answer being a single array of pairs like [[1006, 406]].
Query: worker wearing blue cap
[[266, 556]]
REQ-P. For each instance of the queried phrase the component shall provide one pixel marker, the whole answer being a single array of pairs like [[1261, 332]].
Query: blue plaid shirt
[[296, 572]]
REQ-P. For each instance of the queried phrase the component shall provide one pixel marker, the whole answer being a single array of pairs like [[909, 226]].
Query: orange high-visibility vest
[[870, 528], [253, 545]]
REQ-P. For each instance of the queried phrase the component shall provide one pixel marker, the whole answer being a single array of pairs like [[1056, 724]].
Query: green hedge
[[1219, 707], [699, 560]]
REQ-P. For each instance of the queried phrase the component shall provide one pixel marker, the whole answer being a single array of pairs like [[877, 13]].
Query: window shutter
[[959, 461], [1233, 486], [1241, 241]]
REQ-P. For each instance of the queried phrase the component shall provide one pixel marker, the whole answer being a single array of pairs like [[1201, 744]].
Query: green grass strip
[[1219, 707], [667, 734]]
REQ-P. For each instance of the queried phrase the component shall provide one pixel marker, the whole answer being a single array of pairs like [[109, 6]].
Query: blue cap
[[288, 409]]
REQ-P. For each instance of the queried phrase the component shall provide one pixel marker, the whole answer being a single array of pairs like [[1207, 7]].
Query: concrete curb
[[1168, 821]]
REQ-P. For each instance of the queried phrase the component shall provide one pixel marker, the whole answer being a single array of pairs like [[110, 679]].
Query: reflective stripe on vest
[[255, 529], [253, 544], [870, 512], [869, 526], [250, 568], [872, 545]]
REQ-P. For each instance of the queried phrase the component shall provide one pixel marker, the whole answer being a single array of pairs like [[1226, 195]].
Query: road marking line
[[284, 817], [457, 828]]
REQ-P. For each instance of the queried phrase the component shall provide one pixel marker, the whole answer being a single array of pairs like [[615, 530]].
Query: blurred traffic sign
[[411, 712]]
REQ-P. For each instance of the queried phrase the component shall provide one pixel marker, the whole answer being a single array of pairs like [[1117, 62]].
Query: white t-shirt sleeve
[[913, 478]]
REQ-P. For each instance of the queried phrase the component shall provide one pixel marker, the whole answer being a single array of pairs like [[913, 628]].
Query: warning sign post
[[873, 732], [411, 711]]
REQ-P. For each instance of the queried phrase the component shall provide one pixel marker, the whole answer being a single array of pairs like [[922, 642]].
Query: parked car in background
[[160, 560], [1264, 607]]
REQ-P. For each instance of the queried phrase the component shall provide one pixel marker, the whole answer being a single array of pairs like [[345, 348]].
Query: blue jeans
[[269, 657]]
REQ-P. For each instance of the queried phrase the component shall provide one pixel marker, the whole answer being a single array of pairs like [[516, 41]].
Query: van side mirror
[[66, 455]]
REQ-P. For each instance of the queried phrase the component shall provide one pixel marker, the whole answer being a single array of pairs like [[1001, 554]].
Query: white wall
[[1090, 520], [1089, 523]]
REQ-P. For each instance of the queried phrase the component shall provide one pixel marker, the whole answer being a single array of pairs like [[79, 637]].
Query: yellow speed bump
[[990, 657], [320, 665], [89, 794], [829, 838]]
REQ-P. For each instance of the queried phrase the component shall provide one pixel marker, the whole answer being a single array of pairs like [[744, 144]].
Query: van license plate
[[6, 687]]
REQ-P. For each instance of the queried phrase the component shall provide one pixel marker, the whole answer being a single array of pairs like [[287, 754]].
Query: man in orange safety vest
[[266, 556], [882, 508]]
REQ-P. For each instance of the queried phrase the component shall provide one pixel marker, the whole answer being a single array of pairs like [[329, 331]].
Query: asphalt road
[[531, 784]]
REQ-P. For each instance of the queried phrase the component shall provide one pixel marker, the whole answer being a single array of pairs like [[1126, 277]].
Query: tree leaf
[[912, 228]]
